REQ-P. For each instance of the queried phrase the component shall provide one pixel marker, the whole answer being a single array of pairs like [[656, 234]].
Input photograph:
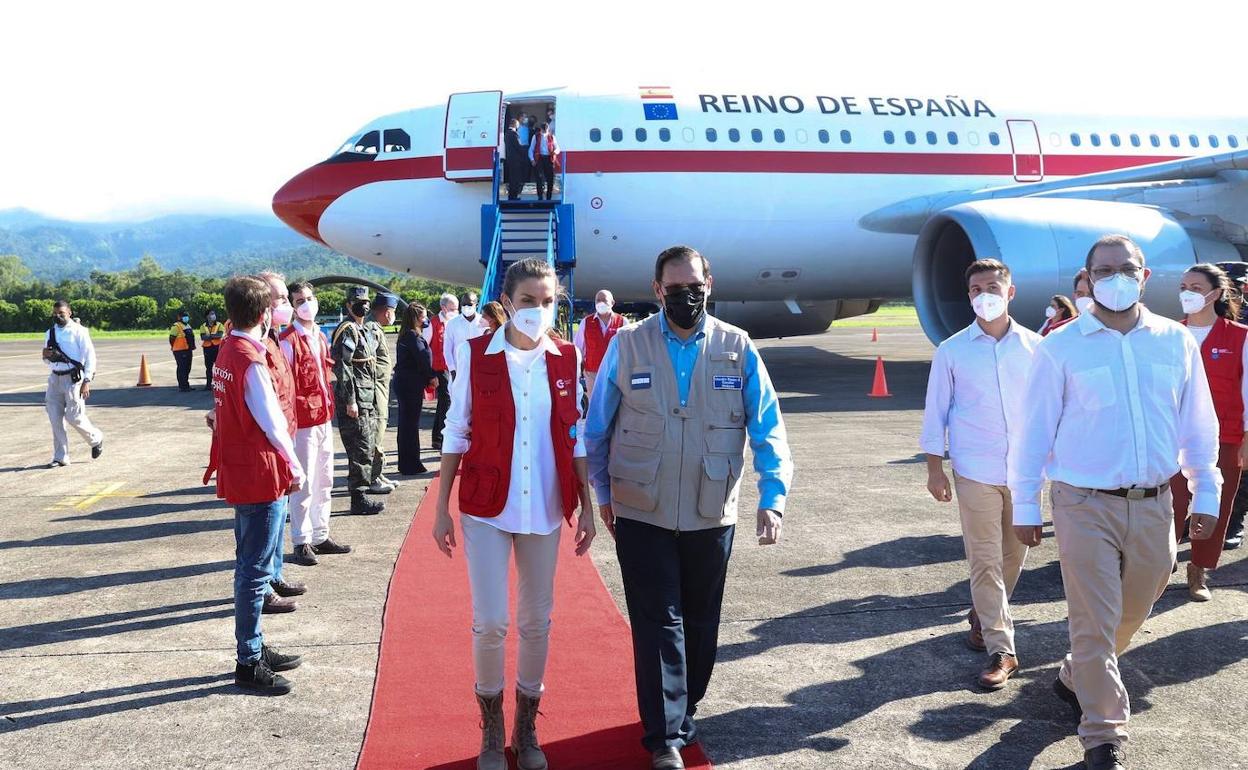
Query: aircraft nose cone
[[299, 203]]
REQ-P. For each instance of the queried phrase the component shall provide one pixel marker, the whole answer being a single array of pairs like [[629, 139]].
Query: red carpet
[[423, 712]]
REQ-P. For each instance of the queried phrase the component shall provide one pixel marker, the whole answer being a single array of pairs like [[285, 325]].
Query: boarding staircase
[[521, 229]]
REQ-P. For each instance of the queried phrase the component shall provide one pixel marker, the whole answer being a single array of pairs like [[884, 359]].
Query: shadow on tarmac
[[146, 509], [830, 382], [122, 534], [896, 554], [63, 586], [93, 626], [124, 398], [166, 691]]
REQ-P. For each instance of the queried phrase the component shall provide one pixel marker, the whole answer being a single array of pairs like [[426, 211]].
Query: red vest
[[314, 403], [487, 465], [283, 380], [249, 469], [596, 339], [1054, 327], [1223, 351], [438, 328]]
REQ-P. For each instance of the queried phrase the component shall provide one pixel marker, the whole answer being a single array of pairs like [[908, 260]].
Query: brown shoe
[[1197, 584], [275, 605], [289, 588], [975, 639], [305, 554], [524, 743], [1001, 666]]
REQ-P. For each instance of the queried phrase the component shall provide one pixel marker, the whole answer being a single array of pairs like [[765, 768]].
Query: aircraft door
[[473, 127], [1025, 144]]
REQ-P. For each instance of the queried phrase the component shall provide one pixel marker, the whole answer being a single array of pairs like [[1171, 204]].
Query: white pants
[[309, 507], [64, 403], [488, 551]]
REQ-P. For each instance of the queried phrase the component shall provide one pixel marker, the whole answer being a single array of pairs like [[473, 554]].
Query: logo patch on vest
[[728, 382], [641, 381], [572, 432]]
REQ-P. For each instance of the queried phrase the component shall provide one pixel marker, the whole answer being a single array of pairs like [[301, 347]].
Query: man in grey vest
[[677, 397]]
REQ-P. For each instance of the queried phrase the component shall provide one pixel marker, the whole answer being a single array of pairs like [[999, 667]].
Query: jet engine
[[1045, 241], [766, 319]]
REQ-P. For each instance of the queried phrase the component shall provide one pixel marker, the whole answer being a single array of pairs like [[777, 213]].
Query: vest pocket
[[725, 439], [719, 480], [633, 472], [477, 488]]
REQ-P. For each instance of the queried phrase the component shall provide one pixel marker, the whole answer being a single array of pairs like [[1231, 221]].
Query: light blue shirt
[[763, 422]]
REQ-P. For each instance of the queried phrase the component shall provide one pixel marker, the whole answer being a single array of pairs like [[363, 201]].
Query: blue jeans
[[257, 532], [275, 559]]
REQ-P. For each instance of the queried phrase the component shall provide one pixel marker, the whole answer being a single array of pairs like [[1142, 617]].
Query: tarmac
[[842, 647]]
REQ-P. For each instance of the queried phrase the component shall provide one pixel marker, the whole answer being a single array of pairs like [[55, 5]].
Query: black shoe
[[415, 470], [187, 389], [667, 758], [365, 506], [287, 589], [1107, 756], [329, 546], [1068, 695], [276, 661], [305, 555], [97, 450], [1234, 531], [258, 677]]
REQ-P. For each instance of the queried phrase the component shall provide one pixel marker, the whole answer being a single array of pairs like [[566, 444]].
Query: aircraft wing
[[1183, 185]]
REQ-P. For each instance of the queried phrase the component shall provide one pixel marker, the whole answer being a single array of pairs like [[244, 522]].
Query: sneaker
[[277, 605], [305, 555], [379, 487], [365, 506], [329, 546], [258, 677], [276, 661], [97, 450], [56, 464], [393, 484], [288, 588]]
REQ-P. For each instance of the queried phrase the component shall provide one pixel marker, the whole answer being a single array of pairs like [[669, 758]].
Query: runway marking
[[92, 495]]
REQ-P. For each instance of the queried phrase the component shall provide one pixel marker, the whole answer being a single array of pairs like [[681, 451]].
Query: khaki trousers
[[64, 404], [1116, 556], [590, 378], [995, 556]]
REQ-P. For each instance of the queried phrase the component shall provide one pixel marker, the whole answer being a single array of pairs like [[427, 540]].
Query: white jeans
[[309, 507], [488, 551], [64, 403]]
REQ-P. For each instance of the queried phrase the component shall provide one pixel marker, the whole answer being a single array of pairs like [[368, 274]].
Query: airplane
[[811, 207]]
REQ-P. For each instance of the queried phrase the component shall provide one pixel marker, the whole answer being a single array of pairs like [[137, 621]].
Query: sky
[[130, 109]]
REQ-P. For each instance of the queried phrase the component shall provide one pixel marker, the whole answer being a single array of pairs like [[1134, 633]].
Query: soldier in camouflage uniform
[[354, 352], [381, 318]]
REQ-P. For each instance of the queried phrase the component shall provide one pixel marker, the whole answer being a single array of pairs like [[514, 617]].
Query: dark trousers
[[357, 440], [210, 358], [516, 177], [545, 176], [444, 404], [674, 586], [183, 360], [409, 431]]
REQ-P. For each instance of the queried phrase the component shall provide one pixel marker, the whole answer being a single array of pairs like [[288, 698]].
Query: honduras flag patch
[[640, 381]]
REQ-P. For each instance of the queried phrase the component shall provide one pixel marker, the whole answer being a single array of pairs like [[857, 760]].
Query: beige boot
[[529, 755], [1197, 585], [493, 732]]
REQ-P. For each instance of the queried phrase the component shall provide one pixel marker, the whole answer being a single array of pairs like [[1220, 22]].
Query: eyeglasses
[[1131, 271]]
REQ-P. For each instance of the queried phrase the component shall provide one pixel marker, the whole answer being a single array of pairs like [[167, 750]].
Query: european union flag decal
[[659, 111]]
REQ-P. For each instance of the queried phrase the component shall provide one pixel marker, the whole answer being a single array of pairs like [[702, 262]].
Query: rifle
[[59, 356]]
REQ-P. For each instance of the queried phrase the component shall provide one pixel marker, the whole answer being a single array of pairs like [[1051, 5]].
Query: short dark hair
[[1082, 275], [246, 299], [464, 299], [299, 286], [679, 252], [1113, 240], [987, 266], [60, 303]]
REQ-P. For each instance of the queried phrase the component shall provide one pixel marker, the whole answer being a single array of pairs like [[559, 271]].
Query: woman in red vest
[[513, 422], [1212, 305]]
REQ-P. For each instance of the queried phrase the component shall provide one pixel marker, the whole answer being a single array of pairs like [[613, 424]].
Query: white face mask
[[989, 306], [281, 314], [308, 310], [1050, 311], [467, 311], [1117, 292], [1193, 301], [603, 308], [1084, 304], [533, 322]]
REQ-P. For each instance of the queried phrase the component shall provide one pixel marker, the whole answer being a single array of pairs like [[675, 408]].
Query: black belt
[[1136, 493]]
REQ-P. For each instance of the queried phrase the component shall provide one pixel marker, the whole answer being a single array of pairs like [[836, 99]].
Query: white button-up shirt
[[1109, 411], [534, 503], [75, 342], [975, 396], [458, 331]]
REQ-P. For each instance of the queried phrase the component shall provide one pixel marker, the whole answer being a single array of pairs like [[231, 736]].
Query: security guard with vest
[[676, 399], [182, 343], [355, 360], [211, 335], [382, 317]]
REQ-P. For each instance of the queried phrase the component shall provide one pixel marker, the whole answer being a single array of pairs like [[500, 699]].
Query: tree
[[13, 273], [133, 313], [10, 317], [37, 314]]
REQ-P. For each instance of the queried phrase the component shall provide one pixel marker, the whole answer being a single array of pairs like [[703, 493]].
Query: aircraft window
[[1114, 140], [802, 136], [396, 140], [824, 136], [1135, 140], [369, 143], [1154, 140], [640, 134], [687, 133], [931, 137], [734, 135], [1232, 140], [1195, 140], [595, 135], [952, 136], [909, 137], [347, 146], [756, 134], [972, 137], [846, 137], [889, 138], [617, 135], [1055, 139], [1075, 140], [665, 135], [1095, 139], [994, 138], [779, 134], [711, 135], [1174, 140], [1213, 141]]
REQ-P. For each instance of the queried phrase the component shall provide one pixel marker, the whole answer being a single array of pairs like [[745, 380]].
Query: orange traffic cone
[[875, 337], [879, 389], [145, 378]]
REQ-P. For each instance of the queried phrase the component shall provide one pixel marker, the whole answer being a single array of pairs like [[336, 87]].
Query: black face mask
[[685, 307], [359, 308], [59, 321]]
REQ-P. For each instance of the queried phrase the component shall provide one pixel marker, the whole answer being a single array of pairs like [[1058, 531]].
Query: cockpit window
[[396, 140], [368, 144], [360, 147]]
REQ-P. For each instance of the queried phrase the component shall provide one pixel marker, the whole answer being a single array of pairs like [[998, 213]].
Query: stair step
[[524, 240]]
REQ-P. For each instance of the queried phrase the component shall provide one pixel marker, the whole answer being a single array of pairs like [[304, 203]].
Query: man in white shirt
[[70, 357], [975, 398], [1117, 403], [435, 335], [594, 334], [468, 325]]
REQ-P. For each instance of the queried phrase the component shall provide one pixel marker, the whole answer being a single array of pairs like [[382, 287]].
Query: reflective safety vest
[[180, 339], [213, 328]]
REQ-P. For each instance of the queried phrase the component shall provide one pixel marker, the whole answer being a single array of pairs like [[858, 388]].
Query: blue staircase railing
[[493, 258]]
